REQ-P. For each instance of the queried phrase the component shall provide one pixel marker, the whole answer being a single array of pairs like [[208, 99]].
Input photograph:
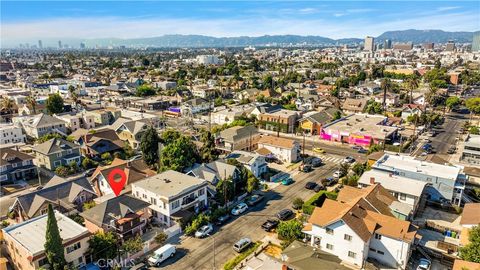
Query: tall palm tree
[[412, 83], [32, 102], [7, 106], [385, 86]]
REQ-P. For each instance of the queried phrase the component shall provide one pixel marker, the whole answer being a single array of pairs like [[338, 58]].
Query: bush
[[88, 205], [161, 238], [62, 171], [309, 205], [298, 203], [197, 222], [290, 230], [5, 223]]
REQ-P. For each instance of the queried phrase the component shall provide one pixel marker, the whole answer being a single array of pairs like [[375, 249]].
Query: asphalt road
[[213, 251]]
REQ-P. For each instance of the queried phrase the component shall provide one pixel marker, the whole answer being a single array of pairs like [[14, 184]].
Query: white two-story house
[[172, 195], [286, 150], [358, 225]]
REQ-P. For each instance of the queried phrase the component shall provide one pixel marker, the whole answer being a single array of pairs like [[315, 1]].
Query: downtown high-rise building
[[428, 45], [387, 44], [369, 44], [476, 42], [82, 45], [59, 44], [40, 45], [450, 47]]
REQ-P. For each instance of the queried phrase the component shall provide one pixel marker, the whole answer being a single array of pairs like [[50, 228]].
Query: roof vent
[[166, 180]]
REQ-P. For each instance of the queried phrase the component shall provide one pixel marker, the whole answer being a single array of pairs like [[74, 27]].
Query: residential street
[[212, 252]]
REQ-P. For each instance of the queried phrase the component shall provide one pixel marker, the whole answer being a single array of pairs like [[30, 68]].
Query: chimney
[[129, 164], [372, 180]]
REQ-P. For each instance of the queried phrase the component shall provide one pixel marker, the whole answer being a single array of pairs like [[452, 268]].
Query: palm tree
[[385, 86], [412, 83], [32, 102], [430, 98], [7, 106]]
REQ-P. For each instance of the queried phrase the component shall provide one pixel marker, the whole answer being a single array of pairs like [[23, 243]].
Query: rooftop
[[473, 140], [31, 234], [408, 163], [170, 184], [394, 182], [362, 124]]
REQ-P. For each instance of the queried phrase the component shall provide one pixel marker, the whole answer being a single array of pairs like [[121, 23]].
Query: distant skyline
[[23, 21]]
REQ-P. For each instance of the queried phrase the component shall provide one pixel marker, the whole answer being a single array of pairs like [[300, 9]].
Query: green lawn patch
[[229, 265], [317, 200]]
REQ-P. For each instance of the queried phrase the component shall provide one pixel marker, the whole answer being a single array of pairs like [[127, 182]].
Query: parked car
[[284, 214], [162, 254], [314, 161], [307, 168], [349, 159], [287, 181], [222, 219], [242, 244], [204, 231], [317, 188], [310, 185], [255, 199], [318, 150], [239, 209], [424, 264], [356, 147], [330, 181], [137, 157], [427, 146], [270, 224], [337, 174], [89, 172], [362, 151], [451, 150]]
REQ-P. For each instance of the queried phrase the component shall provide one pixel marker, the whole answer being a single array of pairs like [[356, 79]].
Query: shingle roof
[[238, 132], [218, 169], [62, 193], [114, 209], [277, 141], [54, 145], [10, 156], [365, 211], [41, 120]]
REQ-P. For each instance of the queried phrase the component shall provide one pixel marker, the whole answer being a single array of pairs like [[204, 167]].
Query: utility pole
[[214, 266], [278, 126], [303, 148]]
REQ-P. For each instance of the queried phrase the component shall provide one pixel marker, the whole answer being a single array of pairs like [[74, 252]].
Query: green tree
[[373, 107], [297, 203], [54, 104], [88, 163], [103, 245], [412, 84], [474, 130], [473, 104], [471, 252], [133, 245], [208, 152], [47, 137], [358, 169], [337, 115], [88, 205], [169, 136], [149, 146], [178, 155], [32, 102], [53, 242], [452, 102], [252, 183], [290, 230], [145, 90], [344, 168], [106, 158]]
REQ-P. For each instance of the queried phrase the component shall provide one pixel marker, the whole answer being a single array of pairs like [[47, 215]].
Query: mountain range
[[415, 36]]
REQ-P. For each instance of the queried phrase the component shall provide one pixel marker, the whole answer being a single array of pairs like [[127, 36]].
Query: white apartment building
[[171, 195], [283, 149], [11, 134], [208, 60], [76, 121], [354, 230]]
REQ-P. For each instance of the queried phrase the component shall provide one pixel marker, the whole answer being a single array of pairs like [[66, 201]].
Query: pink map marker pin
[[115, 183]]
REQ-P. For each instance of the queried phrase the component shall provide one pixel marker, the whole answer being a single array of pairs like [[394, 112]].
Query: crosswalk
[[330, 159]]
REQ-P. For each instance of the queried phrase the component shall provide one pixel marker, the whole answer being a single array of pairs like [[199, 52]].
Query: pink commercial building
[[358, 129]]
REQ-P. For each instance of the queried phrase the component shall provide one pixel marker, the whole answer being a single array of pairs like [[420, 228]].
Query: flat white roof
[[408, 163], [31, 233], [394, 182], [364, 124]]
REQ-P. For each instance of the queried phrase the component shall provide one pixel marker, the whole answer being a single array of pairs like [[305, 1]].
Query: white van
[[162, 254]]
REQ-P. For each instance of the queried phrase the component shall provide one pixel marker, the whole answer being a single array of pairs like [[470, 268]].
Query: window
[[330, 246], [378, 236], [372, 249], [429, 179], [144, 196], [352, 254], [347, 237], [329, 231], [69, 151], [403, 196], [73, 247], [175, 204], [42, 262], [138, 194], [380, 252], [14, 165], [201, 192], [59, 154], [153, 201]]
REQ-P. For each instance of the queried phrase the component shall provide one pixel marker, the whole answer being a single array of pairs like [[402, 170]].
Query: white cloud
[[447, 8]]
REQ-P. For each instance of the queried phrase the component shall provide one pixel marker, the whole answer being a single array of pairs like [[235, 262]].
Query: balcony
[[189, 201]]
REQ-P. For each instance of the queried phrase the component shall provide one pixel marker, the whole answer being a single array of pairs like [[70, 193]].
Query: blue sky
[[21, 20]]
